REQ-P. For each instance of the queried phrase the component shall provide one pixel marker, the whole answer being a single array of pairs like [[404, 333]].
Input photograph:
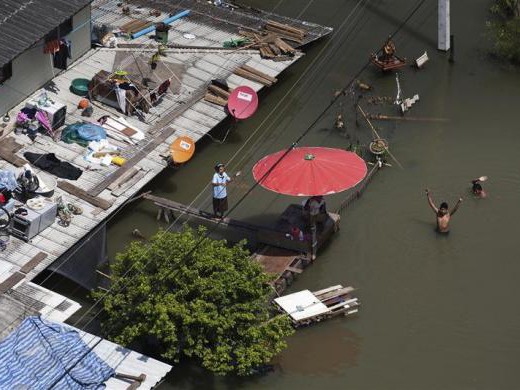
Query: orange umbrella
[[182, 149]]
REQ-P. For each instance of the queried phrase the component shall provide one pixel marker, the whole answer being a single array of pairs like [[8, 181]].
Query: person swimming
[[476, 187], [443, 214]]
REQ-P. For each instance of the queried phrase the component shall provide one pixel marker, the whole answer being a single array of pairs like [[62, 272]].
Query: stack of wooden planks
[[287, 32], [253, 74], [134, 26], [217, 94], [271, 40]]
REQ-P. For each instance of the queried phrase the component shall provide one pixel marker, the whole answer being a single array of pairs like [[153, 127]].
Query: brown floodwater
[[438, 312]]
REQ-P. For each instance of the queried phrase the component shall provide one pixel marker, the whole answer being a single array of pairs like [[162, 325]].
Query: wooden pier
[[278, 254]]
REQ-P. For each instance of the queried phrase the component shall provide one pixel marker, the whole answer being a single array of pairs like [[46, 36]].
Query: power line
[[277, 162], [304, 133]]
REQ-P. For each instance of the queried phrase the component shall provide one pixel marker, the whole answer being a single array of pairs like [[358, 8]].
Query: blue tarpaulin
[[40, 355]]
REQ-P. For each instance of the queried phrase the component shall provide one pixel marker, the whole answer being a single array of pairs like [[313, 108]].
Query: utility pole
[[444, 25]]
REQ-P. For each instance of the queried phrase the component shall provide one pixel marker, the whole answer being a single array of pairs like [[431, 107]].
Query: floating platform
[[306, 307]]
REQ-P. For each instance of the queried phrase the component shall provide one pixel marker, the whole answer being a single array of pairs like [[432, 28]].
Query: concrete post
[[444, 25], [314, 241]]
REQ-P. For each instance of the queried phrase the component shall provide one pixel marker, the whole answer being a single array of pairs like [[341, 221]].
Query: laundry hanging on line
[[61, 50]]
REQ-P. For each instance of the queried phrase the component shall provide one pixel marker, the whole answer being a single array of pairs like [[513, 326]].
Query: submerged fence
[[359, 191]]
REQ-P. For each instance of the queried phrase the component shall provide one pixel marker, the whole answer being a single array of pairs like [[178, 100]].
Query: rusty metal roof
[[25, 22]]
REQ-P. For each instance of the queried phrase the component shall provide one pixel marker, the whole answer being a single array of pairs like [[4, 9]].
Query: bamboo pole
[[377, 135], [405, 118]]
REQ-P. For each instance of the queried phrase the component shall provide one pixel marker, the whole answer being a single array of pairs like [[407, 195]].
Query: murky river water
[[438, 312]]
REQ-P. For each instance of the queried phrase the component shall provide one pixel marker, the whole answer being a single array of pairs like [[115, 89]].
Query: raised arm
[[430, 202], [456, 207]]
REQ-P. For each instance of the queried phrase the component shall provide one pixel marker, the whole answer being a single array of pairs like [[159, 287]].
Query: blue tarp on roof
[[40, 355]]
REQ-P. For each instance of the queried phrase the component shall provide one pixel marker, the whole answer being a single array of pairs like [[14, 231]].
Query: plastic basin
[[80, 86]]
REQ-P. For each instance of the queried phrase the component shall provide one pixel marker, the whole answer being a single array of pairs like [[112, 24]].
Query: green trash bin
[[161, 33]]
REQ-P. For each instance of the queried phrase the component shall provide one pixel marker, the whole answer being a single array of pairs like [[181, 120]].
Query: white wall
[[32, 69], [80, 35]]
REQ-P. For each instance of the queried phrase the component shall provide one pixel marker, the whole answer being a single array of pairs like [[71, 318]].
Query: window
[[6, 72]]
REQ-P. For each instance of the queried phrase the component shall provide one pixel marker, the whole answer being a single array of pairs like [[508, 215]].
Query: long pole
[[377, 135]]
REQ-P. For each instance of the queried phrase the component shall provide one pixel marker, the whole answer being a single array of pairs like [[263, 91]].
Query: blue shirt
[[219, 191]]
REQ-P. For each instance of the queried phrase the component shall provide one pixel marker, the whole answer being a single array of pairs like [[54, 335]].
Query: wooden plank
[[125, 176], [294, 269], [31, 264], [250, 69], [325, 290], [86, 196], [11, 281], [286, 27], [8, 148], [275, 261], [131, 181], [251, 76], [336, 293], [215, 99]]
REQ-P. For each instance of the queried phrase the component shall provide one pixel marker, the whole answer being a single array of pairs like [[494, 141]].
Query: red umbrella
[[242, 102], [310, 171]]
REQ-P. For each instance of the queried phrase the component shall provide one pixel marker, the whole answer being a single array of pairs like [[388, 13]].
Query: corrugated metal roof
[[122, 360], [126, 361], [25, 22]]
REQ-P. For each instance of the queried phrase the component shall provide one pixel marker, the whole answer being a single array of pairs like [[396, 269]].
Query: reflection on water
[[316, 354]]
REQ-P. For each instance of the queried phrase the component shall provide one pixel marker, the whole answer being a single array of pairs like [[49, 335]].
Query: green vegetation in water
[[505, 29], [194, 297]]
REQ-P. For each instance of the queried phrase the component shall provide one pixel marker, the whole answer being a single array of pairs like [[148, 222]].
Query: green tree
[[505, 29], [196, 297]]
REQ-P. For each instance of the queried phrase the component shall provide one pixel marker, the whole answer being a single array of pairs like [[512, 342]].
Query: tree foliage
[[505, 29], [196, 297]]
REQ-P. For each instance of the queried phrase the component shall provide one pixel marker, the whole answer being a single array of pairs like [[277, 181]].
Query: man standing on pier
[[443, 214], [219, 182]]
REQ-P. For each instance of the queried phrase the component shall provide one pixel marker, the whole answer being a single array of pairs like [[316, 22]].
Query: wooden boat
[[306, 307], [386, 59]]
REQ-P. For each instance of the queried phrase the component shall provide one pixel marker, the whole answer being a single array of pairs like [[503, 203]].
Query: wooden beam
[[11, 281], [86, 196], [8, 149], [294, 269], [31, 264]]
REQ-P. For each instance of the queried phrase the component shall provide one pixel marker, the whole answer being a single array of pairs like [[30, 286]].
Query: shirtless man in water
[[443, 214]]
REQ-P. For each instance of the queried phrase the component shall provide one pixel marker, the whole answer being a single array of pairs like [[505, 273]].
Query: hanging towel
[[52, 47], [121, 98]]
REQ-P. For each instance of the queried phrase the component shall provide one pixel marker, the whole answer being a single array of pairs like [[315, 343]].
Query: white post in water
[[444, 25]]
